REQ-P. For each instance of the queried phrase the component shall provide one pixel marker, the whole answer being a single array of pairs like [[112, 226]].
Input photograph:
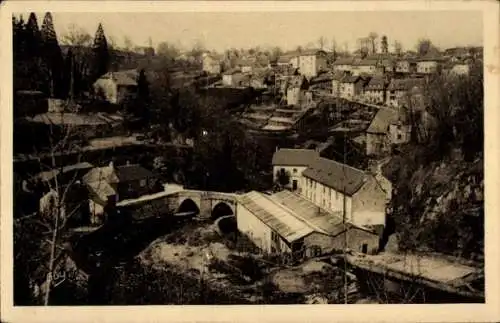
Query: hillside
[[438, 206]]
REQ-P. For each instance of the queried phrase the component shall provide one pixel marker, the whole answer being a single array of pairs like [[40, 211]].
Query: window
[[399, 136], [294, 185], [142, 183], [295, 170]]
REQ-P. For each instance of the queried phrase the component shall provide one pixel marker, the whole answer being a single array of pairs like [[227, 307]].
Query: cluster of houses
[[299, 80], [378, 78], [386, 80], [100, 188]]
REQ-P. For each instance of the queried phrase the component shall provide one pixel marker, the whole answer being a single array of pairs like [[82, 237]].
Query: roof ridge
[[312, 225], [342, 164], [292, 213]]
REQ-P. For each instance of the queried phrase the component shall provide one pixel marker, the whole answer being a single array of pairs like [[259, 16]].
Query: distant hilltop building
[[145, 50], [212, 63], [114, 87]]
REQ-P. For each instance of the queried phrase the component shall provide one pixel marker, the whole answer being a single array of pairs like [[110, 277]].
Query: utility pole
[[344, 218]]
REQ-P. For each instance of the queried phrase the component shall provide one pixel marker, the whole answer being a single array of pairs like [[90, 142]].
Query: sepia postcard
[[230, 161]]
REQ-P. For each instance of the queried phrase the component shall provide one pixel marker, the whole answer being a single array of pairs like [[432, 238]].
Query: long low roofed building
[[287, 223]]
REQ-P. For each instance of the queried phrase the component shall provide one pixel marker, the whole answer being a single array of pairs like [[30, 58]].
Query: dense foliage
[[39, 63]]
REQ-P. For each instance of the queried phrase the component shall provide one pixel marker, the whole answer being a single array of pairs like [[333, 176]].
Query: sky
[[222, 30]]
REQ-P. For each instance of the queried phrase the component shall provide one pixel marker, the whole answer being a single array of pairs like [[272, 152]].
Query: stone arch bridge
[[206, 204]]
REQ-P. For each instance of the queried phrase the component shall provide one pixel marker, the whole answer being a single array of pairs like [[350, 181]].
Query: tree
[[52, 56], [168, 50], [77, 66], [198, 50], [363, 46], [385, 45], [33, 35], [63, 202], [127, 43], [77, 37], [334, 46], [425, 47], [19, 54], [139, 105], [101, 55], [456, 105], [398, 48], [373, 42], [282, 178], [321, 42], [346, 48], [36, 71], [276, 52]]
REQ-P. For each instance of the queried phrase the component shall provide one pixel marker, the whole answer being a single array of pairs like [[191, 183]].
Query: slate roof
[[215, 57], [294, 157], [340, 177], [430, 58], [271, 213], [48, 175], [344, 61], [310, 52], [324, 77], [407, 59], [381, 121], [124, 78], [321, 220], [351, 79], [69, 118], [127, 173], [376, 83], [101, 174], [366, 62], [283, 59], [338, 75], [405, 84], [232, 71]]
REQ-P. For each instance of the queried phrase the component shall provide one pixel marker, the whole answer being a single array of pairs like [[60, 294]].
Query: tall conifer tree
[[101, 54], [53, 56], [35, 66]]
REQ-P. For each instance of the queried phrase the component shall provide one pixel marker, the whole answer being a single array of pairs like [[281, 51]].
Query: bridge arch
[[221, 209], [188, 205]]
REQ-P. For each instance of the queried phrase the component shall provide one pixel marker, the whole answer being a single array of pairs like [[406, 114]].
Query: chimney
[[111, 164], [128, 162]]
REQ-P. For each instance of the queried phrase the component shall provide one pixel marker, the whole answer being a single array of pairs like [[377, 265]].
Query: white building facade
[[360, 195]]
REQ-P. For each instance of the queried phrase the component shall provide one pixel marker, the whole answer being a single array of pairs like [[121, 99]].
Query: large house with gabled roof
[[337, 187], [311, 62], [343, 64], [292, 162], [115, 87], [375, 90], [109, 184]]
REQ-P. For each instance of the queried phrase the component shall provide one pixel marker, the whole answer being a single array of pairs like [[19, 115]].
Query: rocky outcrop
[[439, 206]]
